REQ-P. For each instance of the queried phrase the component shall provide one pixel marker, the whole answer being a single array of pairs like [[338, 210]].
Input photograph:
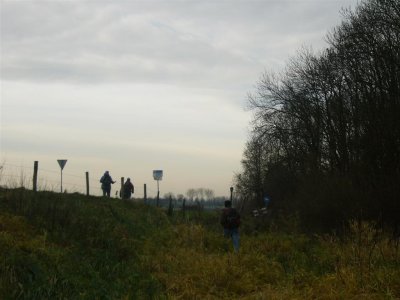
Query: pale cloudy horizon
[[134, 86]]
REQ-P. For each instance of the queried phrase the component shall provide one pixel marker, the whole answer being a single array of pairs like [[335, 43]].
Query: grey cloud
[[81, 75], [182, 42]]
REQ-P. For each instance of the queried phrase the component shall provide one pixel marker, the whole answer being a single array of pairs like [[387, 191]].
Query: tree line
[[325, 141]]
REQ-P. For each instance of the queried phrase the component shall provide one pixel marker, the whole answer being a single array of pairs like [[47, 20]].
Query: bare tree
[[209, 194], [191, 193], [332, 117]]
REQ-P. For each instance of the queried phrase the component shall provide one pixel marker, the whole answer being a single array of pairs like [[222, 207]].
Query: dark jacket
[[230, 218], [129, 189], [106, 181]]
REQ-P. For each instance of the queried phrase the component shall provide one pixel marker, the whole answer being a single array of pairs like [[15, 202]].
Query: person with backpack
[[128, 189], [230, 221], [106, 182]]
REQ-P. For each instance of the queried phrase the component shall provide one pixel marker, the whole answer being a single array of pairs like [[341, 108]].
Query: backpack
[[106, 179], [230, 218]]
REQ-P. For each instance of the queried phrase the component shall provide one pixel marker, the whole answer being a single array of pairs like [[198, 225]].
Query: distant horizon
[[12, 174]]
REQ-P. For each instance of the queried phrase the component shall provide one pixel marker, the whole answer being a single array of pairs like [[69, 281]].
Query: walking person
[[128, 189], [230, 220], [106, 182]]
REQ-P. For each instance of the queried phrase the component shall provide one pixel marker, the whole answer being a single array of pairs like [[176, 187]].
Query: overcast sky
[[134, 86]]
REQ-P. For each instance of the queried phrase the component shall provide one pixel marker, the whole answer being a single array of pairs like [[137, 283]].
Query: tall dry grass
[[199, 264], [55, 246]]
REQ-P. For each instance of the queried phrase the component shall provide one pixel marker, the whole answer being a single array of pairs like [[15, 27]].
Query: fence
[[15, 176]]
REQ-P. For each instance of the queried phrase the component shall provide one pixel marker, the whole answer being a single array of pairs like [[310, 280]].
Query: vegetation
[[325, 147], [326, 132], [60, 246]]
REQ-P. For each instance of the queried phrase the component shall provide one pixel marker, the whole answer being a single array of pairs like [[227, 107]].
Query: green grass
[[56, 246], [59, 246]]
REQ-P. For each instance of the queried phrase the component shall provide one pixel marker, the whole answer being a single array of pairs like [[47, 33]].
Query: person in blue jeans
[[230, 221]]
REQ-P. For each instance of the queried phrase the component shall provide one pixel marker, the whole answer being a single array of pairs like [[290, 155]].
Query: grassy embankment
[[55, 246]]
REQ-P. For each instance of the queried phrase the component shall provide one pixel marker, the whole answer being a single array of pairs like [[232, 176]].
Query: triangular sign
[[62, 163]]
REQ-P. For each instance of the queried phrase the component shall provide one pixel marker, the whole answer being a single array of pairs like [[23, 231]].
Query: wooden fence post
[[145, 193], [183, 206], [35, 172], [170, 208], [87, 183], [121, 191]]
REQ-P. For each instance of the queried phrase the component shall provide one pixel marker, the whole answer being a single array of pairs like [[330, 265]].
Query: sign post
[[157, 175], [62, 163]]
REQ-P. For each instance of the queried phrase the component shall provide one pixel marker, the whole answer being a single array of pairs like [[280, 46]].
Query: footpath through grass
[[57, 246]]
